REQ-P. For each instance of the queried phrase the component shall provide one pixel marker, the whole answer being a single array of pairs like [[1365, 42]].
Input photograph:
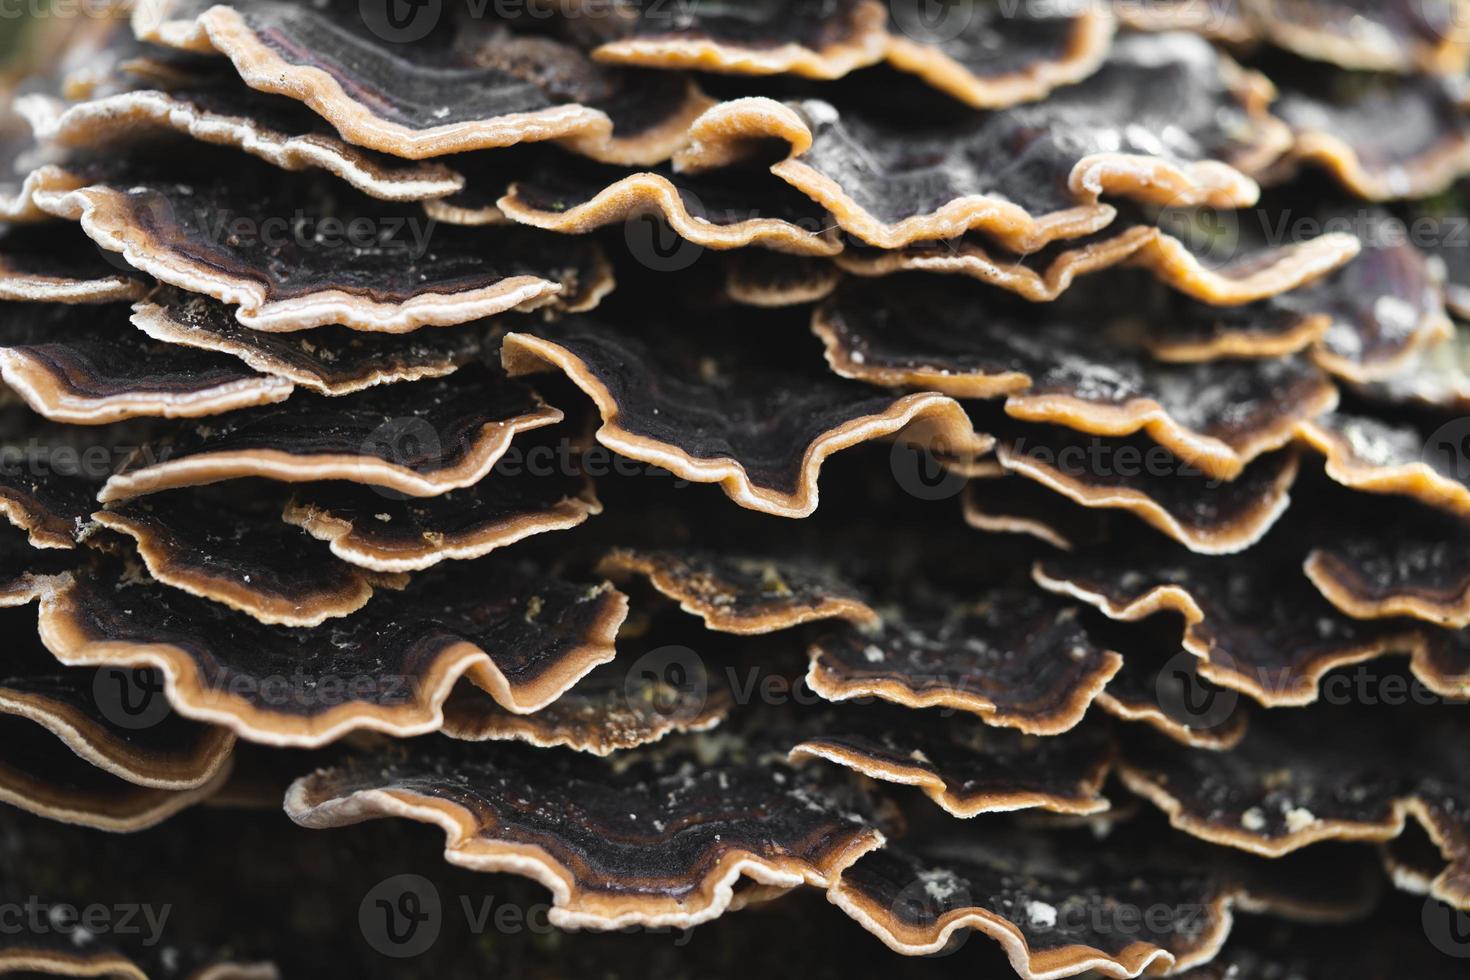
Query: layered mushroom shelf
[[870, 475]]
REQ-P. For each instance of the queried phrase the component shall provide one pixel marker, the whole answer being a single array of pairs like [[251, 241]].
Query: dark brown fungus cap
[[522, 635], [1381, 137], [961, 340], [757, 277], [250, 241], [1001, 56], [614, 708], [761, 431], [1002, 504], [151, 747], [738, 594], [249, 562], [421, 440], [1372, 35], [1189, 332], [1386, 306], [44, 500], [40, 774], [1199, 511], [1248, 274], [1376, 456], [80, 365], [1027, 175], [52, 264], [489, 88], [810, 38], [1254, 620], [330, 360], [274, 129], [962, 765], [1299, 778], [1386, 561], [1159, 686], [1016, 659], [384, 534], [1436, 379], [672, 835], [1044, 900]]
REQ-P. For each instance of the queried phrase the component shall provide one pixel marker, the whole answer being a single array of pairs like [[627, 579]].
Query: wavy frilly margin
[[570, 907], [272, 464], [647, 193], [88, 124], [1087, 49], [191, 697], [1416, 479], [938, 414], [865, 47], [223, 30], [1238, 536], [1135, 960], [105, 218], [727, 133], [1304, 688], [110, 751]]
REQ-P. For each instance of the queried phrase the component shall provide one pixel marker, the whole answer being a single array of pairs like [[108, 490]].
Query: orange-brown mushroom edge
[[1355, 583], [40, 774], [136, 224], [1014, 659], [331, 360], [1062, 53], [966, 768], [843, 36], [733, 594], [1243, 638], [1039, 280], [1215, 519], [822, 148], [1298, 781], [1014, 890], [270, 573], [1404, 36], [1374, 456], [645, 193], [523, 353], [367, 530], [610, 710], [1378, 143], [756, 277], [353, 442], [600, 838], [380, 670], [1003, 504], [203, 28], [98, 123]]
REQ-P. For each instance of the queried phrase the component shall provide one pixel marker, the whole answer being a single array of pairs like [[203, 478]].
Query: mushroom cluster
[[939, 457]]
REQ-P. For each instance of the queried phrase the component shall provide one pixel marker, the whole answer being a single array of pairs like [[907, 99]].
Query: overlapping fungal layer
[[1069, 417]]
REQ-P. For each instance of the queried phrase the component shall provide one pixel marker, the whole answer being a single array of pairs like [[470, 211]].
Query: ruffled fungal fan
[[783, 487]]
